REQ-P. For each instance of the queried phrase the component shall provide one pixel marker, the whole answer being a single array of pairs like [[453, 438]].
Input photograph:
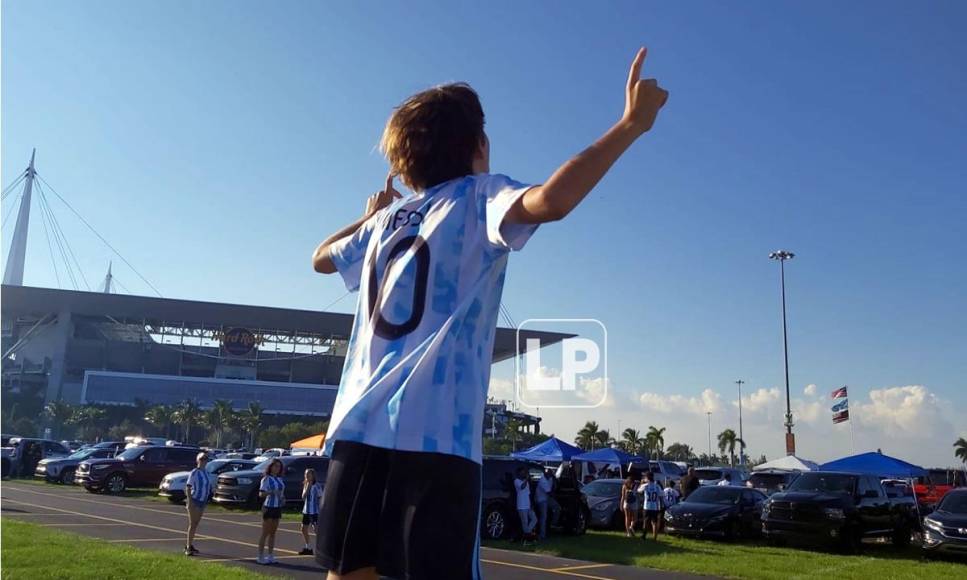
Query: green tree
[[680, 452], [587, 436], [512, 432], [59, 413], [219, 419], [251, 421], [631, 441], [728, 441], [187, 414], [960, 449], [89, 419], [656, 440], [161, 416], [603, 438]]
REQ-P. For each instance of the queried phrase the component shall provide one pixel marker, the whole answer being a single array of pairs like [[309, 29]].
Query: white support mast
[[108, 280], [14, 274]]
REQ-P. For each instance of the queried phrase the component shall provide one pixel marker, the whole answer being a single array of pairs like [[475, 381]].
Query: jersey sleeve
[[498, 194], [348, 253], [265, 485]]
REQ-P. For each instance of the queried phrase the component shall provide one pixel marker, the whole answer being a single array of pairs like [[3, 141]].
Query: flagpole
[[852, 440]]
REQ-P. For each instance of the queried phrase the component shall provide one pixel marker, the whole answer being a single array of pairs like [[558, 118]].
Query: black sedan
[[724, 511], [945, 529], [61, 469]]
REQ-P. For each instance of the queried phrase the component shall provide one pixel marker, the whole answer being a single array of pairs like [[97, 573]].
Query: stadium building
[[115, 349]]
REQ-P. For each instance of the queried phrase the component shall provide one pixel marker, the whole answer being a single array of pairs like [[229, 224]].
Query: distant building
[[497, 414]]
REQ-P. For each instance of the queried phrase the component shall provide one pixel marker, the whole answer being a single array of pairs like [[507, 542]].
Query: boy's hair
[[432, 137], [268, 468]]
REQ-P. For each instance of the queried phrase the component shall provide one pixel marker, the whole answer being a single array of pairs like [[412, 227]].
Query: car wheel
[[174, 500], [495, 523], [732, 531], [92, 489], [67, 477], [115, 484], [580, 525]]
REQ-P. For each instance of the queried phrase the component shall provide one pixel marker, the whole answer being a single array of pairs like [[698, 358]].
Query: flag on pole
[[842, 405], [841, 416], [839, 393]]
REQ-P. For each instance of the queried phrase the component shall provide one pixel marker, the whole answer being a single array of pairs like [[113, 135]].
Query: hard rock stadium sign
[[238, 341]]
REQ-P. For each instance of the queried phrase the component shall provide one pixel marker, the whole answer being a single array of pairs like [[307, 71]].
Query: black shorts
[[308, 519], [271, 513], [652, 515], [408, 514]]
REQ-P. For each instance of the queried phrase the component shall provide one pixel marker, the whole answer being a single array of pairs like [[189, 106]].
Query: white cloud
[[709, 401], [810, 391], [760, 400], [900, 410], [501, 389]]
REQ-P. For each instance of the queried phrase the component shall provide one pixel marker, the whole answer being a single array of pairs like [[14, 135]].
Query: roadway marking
[[581, 567], [122, 541], [149, 526], [155, 510], [250, 559], [548, 570]]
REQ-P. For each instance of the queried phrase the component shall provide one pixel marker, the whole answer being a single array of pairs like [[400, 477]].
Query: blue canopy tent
[[606, 455], [551, 450], [875, 464]]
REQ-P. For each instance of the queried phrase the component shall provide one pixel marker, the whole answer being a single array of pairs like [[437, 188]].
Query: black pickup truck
[[839, 508]]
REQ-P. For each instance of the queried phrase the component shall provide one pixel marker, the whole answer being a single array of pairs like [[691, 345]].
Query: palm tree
[[631, 441], [59, 414], [680, 452], [656, 439], [512, 432], [587, 436], [960, 449], [219, 418], [187, 414], [161, 416], [727, 441], [88, 419], [251, 421], [604, 438]]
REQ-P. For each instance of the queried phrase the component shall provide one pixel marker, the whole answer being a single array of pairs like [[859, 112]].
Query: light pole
[[781, 256], [740, 382], [709, 415]]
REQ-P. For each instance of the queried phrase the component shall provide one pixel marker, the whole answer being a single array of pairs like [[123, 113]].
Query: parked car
[[140, 466], [138, 441], [931, 488], [116, 446], [241, 455], [61, 469], [241, 488], [770, 481], [945, 529], [837, 507], [23, 454], [662, 471], [499, 517], [604, 502], [725, 511], [714, 475], [73, 445], [173, 484]]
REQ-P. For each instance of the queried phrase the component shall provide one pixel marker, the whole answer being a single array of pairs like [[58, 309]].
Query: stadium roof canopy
[[19, 301]]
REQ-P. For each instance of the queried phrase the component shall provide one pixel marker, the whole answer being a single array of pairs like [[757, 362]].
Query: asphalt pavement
[[231, 538]]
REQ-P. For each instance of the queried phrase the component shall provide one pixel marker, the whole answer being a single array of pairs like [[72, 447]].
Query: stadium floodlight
[[781, 256]]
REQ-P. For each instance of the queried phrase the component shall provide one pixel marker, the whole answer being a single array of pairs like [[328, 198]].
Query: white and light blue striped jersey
[[654, 496], [201, 485], [671, 496], [275, 488], [310, 505], [430, 271]]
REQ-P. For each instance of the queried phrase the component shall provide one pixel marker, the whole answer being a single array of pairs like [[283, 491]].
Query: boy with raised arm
[[402, 497]]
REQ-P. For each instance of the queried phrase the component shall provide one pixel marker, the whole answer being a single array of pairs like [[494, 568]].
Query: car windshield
[[82, 454], [263, 465], [708, 473], [132, 453], [825, 482], [767, 479], [603, 488], [955, 503], [719, 495], [213, 465]]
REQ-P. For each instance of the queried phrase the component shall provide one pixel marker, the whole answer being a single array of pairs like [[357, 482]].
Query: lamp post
[[781, 256], [709, 415], [740, 382]]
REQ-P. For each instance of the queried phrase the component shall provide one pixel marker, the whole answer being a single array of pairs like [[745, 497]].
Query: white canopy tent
[[788, 462]]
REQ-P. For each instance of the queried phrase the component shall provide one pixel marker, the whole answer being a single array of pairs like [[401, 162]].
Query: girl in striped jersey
[[197, 492], [272, 491], [311, 494]]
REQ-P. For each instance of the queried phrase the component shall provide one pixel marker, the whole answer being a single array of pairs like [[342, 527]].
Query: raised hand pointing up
[[643, 97]]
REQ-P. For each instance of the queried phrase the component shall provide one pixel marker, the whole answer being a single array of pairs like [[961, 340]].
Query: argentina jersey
[[274, 487], [310, 505], [430, 272], [201, 485]]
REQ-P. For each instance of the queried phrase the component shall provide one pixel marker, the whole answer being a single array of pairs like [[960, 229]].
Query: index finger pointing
[[635, 72], [389, 182]]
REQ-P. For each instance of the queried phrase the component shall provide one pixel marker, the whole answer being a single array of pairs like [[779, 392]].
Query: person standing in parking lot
[[629, 505], [544, 487], [311, 493], [654, 498], [527, 517], [272, 490], [198, 490], [689, 483]]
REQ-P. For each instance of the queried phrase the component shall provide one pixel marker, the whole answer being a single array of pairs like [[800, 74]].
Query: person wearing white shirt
[[528, 519], [544, 487], [726, 480]]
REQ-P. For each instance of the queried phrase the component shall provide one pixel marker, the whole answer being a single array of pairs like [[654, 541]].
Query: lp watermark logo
[[561, 363]]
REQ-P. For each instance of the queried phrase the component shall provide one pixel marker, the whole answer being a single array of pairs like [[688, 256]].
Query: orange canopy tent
[[313, 442]]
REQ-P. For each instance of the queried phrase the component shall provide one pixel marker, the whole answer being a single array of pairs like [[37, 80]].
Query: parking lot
[[231, 537]]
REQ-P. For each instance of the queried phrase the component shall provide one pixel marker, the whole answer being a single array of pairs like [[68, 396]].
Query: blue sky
[[216, 143]]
